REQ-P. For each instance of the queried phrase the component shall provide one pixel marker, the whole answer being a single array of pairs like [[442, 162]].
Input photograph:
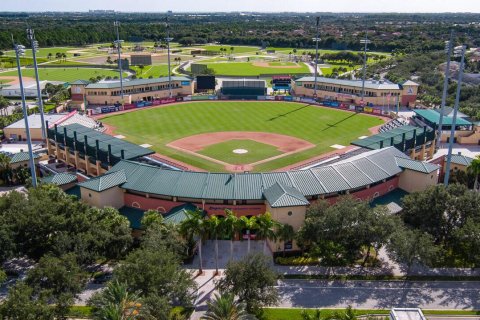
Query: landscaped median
[[296, 314]]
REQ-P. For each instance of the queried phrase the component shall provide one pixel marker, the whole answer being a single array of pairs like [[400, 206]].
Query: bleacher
[[82, 120], [395, 123]]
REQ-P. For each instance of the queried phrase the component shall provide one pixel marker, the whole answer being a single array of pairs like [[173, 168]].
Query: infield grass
[[249, 69], [320, 126], [256, 151], [65, 74]]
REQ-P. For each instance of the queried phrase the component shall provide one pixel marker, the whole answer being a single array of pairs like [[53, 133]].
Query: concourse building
[[377, 92], [108, 93]]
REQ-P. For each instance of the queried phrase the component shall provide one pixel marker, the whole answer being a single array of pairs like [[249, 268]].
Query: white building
[[406, 314], [29, 87]]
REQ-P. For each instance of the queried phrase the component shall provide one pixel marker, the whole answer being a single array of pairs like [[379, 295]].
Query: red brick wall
[[367, 194], [240, 210], [212, 209], [77, 97], [408, 99]]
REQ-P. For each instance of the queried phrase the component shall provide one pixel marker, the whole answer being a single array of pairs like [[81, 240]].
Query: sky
[[245, 5]]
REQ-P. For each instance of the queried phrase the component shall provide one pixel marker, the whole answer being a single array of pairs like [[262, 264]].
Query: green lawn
[[43, 52], [320, 126], [154, 71], [64, 74], [236, 49], [256, 151], [295, 313], [249, 69]]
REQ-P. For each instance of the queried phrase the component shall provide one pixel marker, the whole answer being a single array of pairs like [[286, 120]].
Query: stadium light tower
[[365, 42], [168, 39], [34, 44], [448, 50], [20, 51], [454, 119], [316, 39], [118, 44]]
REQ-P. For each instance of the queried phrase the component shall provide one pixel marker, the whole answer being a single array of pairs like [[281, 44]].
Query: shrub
[[296, 261]]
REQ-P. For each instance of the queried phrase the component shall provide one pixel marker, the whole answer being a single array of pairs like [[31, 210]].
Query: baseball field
[[65, 74], [241, 136]]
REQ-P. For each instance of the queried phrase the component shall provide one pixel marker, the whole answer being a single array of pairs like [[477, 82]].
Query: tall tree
[[224, 307], [285, 234], [193, 226], [249, 224], [157, 273], [214, 226], [474, 168], [116, 302], [267, 228], [229, 227], [252, 280]]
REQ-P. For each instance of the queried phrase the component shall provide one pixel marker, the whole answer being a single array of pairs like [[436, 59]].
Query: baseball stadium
[[238, 150]]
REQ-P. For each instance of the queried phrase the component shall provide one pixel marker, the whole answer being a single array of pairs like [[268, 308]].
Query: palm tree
[[195, 225], [5, 168], [116, 303], [474, 168], [249, 224], [285, 234], [311, 316], [230, 224], [267, 228], [348, 314], [224, 307], [214, 226]]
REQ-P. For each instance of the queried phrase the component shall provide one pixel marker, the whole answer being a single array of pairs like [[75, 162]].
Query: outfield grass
[[154, 71], [67, 74], [236, 49], [256, 151], [320, 126], [249, 69]]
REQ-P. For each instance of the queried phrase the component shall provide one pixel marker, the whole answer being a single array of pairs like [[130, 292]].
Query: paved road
[[379, 294]]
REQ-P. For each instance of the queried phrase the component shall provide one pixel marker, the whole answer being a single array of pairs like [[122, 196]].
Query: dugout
[[243, 89]]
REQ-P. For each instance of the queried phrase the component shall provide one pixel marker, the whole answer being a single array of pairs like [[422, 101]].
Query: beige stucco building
[[109, 92], [377, 93]]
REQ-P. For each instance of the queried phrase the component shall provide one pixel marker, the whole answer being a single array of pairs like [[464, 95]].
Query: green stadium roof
[[434, 117], [133, 215], [179, 214], [176, 215], [83, 82], [414, 165], [355, 172], [131, 151], [22, 156], [280, 195], [136, 82], [60, 179], [461, 159], [374, 142], [106, 181]]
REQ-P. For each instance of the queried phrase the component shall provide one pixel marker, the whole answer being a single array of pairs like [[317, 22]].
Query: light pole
[[316, 39], [118, 44], [365, 42], [20, 51], [168, 39], [34, 44], [448, 49], [454, 119]]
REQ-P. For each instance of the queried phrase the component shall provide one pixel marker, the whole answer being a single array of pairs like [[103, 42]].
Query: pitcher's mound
[[240, 151]]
